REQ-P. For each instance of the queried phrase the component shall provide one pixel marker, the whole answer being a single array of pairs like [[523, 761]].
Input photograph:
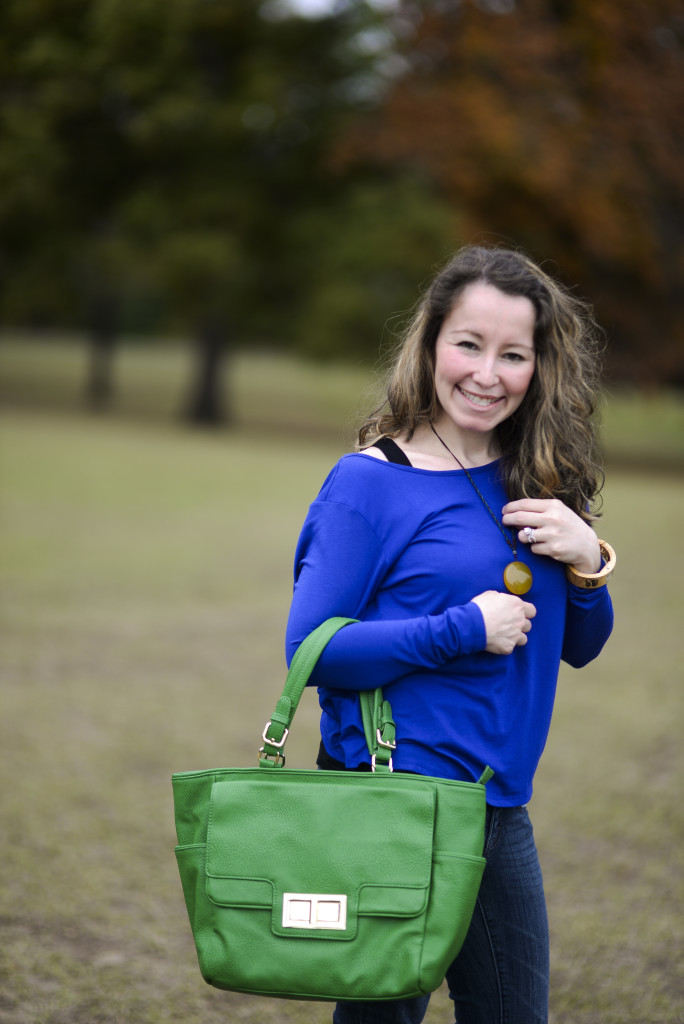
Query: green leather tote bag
[[328, 885]]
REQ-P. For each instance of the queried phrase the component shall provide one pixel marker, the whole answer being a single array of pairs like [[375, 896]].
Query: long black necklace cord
[[517, 576], [512, 544]]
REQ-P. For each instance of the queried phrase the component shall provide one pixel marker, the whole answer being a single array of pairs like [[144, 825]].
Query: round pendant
[[517, 577]]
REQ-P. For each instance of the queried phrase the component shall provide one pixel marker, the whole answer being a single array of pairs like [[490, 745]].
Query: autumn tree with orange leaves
[[556, 125]]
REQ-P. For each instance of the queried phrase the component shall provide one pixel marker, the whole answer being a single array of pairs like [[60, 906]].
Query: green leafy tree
[[167, 148], [376, 245]]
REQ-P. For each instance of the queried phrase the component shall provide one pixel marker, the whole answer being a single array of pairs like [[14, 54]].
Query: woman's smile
[[483, 400]]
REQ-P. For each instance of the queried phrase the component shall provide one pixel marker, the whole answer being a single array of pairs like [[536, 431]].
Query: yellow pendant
[[517, 577]]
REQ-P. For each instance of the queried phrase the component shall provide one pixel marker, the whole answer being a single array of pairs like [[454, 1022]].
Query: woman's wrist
[[590, 560], [592, 580]]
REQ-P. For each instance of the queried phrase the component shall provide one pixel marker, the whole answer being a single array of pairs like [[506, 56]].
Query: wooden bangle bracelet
[[592, 580]]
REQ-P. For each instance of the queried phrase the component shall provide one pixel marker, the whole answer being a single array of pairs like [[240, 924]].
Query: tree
[[64, 162], [557, 125], [168, 146], [375, 246]]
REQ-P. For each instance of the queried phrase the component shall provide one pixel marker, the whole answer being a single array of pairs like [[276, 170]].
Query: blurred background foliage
[[248, 177]]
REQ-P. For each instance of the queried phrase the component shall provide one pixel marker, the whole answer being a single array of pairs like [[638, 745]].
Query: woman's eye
[[469, 345]]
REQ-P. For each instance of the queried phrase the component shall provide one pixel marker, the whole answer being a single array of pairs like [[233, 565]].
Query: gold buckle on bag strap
[[274, 758]]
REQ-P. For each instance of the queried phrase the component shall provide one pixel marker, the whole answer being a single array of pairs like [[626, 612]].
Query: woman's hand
[[507, 620], [558, 532]]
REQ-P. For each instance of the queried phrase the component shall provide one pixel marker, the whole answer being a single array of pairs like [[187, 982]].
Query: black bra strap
[[391, 450]]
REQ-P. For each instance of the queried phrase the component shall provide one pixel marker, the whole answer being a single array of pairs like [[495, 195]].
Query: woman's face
[[484, 357]]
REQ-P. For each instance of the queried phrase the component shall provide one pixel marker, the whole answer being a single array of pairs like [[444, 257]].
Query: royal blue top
[[404, 550]]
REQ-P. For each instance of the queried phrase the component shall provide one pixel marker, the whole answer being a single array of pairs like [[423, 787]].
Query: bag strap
[[378, 726], [302, 665]]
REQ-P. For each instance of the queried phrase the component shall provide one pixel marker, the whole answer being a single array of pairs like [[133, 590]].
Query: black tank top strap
[[391, 450]]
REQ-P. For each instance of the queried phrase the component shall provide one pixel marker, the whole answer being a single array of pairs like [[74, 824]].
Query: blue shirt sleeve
[[339, 566], [588, 624]]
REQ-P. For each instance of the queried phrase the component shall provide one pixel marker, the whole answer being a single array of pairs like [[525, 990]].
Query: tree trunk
[[103, 329], [207, 406]]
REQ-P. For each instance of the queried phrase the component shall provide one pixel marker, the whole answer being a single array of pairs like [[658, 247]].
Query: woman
[[460, 536]]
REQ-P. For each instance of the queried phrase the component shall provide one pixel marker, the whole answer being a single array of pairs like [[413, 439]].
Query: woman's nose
[[485, 373]]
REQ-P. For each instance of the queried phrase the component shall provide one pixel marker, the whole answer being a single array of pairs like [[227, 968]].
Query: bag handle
[[378, 727]]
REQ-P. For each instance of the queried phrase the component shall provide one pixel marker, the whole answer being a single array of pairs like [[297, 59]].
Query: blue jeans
[[501, 975]]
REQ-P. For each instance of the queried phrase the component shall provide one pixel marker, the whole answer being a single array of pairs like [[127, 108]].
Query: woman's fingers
[[507, 620], [550, 528]]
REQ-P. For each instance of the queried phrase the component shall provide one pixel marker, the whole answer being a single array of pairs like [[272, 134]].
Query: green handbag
[[328, 885]]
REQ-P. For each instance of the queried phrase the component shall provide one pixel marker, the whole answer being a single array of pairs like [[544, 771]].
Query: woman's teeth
[[478, 399]]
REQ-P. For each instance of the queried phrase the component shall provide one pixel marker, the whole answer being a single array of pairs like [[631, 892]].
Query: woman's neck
[[472, 449], [427, 450]]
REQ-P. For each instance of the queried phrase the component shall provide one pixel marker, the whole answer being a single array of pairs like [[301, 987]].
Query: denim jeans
[[501, 975]]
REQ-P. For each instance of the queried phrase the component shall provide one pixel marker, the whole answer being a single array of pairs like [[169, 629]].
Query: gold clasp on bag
[[314, 910]]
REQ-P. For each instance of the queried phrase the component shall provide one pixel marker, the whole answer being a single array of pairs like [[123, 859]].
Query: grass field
[[146, 579]]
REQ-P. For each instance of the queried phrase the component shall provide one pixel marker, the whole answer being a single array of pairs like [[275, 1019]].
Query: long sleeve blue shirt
[[404, 550]]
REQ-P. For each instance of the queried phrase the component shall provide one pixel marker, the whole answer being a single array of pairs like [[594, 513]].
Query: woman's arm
[[339, 565], [588, 624]]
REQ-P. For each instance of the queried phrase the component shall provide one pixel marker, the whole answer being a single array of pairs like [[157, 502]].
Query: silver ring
[[529, 533]]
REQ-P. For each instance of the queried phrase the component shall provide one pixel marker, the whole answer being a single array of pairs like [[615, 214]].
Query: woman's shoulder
[[352, 470], [374, 452], [370, 497], [365, 482]]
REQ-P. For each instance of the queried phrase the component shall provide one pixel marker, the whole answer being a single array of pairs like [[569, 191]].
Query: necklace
[[517, 576]]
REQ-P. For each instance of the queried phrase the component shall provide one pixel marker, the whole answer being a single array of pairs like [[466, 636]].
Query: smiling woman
[[485, 451]]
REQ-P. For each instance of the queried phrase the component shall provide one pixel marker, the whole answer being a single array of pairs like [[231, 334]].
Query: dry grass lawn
[[145, 585]]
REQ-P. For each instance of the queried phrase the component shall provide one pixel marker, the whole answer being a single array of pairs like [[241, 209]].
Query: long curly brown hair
[[549, 445]]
